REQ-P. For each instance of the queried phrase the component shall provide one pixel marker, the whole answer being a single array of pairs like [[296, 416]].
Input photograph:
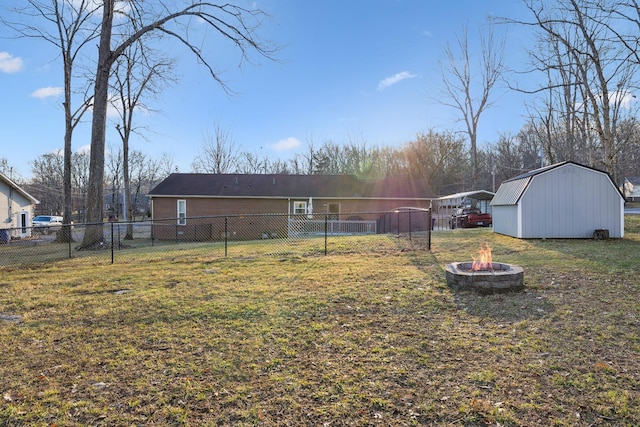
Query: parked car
[[470, 217], [45, 223]]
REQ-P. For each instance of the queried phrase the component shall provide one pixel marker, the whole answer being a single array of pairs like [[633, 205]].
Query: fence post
[[70, 238], [225, 236], [112, 243], [410, 225], [326, 229], [430, 226]]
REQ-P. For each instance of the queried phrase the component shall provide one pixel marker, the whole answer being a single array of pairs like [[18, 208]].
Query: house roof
[[290, 186], [511, 190], [12, 184]]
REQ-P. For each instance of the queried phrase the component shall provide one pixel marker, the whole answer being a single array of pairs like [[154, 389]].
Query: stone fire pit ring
[[500, 278]]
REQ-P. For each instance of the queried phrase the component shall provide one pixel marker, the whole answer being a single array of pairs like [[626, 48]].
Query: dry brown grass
[[363, 338]]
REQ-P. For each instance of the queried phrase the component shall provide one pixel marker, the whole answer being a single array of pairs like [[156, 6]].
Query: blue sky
[[363, 71]]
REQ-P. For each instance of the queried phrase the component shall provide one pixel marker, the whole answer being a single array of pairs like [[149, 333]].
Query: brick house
[[192, 206]]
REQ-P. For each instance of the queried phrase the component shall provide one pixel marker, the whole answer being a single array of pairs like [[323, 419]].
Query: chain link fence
[[220, 236]]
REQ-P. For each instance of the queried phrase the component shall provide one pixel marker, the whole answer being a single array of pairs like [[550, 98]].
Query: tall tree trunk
[[127, 211], [95, 196], [468, 94], [64, 235], [473, 137]]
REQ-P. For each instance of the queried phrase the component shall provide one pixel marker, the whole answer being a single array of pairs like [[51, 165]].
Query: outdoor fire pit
[[484, 275]]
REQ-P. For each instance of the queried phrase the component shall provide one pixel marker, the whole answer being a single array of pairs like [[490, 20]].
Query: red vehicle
[[470, 217]]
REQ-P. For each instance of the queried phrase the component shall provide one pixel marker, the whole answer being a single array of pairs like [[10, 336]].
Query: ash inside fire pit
[[492, 278]]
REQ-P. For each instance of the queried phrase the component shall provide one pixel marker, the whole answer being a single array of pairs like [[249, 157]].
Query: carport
[[443, 207]]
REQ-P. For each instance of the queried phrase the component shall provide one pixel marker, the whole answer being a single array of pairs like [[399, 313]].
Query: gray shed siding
[[505, 219], [565, 201], [570, 202]]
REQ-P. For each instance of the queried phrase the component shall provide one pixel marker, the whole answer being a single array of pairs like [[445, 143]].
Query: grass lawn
[[361, 338]]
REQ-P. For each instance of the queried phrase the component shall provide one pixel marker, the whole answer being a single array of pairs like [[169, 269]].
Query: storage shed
[[564, 200]]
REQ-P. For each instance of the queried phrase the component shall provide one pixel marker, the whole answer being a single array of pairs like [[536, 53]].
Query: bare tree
[[555, 116], [4, 165], [279, 167], [150, 171], [329, 159], [302, 163], [7, 169], [622, 21], [602, 74], [391, 162], [629, 163], [355, 158], [138, 73], [46, 183], [70, 27], [358, 158], [512, 155], [140, 171], [161, 168], [440, 159], [233, 23], [467, 89], [252, 163], [79, 178], [219, 153], [114, 165]]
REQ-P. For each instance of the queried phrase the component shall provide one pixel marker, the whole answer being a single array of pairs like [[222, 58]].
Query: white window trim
[[299, 208], [333, 215], [181, 208]]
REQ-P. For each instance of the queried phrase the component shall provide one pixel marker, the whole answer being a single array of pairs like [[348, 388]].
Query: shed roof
[[12, 184], [511, 190], [298, 186]]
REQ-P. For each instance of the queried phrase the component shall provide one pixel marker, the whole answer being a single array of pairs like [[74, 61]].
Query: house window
[[182, 212], [333, 210], [23, 222], [300, 208]]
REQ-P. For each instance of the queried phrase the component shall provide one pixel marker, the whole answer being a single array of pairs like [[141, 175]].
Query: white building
[[564, 200], [631, 188], [16, 210]]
